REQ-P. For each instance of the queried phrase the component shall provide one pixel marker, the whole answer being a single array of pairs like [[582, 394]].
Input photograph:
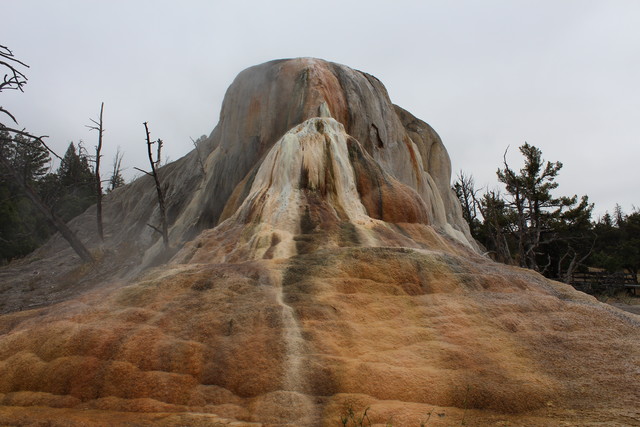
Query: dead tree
[[196, 145], [14, 79], [97, 125], [155, 164], [464, 188]]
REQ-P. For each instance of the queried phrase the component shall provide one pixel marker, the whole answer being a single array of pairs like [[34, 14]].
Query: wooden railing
[[599, 282]]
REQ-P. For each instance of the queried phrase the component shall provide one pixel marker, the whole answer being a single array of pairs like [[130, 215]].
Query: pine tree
[[552, 234], [22, 227], [28, 157], [116, 180], [77, 182], [618, 243], [531, 200], [74, 171]]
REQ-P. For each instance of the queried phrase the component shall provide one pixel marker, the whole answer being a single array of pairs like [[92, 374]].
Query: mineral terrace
[[318, 263]]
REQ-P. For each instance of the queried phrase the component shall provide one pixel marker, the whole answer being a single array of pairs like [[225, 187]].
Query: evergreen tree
[[22, 227], [116, 180], [570, 241], [74, 172], [618, 244], [630, 247], [497, 226], [536, 211], [608, 237], [529, 226], [77, 184], [30, 159]]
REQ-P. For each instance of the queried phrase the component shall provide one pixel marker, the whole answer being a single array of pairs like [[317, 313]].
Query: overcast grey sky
[[562, 75]]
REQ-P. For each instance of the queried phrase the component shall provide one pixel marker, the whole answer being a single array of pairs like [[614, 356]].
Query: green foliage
[[68, 191], [76, 184], [494, 231], [28, 157], [16, 227], [538, 215], [22, 226], [115, 181], [528, 225], [74, 171], [554, 235], [618, 243]]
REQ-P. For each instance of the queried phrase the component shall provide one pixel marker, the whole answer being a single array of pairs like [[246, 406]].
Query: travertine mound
[[319, 264], [263, 104]]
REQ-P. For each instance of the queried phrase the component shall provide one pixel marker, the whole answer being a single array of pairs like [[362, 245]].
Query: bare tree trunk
[[568, 275], [200, 161], [98, 127], [154, 173], [575, 263], [561, 275], [58, 223]]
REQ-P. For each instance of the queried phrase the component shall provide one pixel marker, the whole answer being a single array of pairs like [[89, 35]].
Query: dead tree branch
[[39, 139], [11, 116], [14, 79], [143, 171], [98, 127], [200, 161], [154, 173]]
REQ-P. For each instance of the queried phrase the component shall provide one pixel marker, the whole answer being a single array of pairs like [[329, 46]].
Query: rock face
[[263, 104], [319, 263]]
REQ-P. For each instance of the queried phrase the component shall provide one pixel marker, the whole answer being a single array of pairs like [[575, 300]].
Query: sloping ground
[[631, 308], [404, 331]]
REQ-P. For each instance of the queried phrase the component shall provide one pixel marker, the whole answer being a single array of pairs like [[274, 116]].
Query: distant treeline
[[528, 226], [68, 191]]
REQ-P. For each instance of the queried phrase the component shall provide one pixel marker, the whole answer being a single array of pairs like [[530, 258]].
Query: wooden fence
[[594, 282]]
